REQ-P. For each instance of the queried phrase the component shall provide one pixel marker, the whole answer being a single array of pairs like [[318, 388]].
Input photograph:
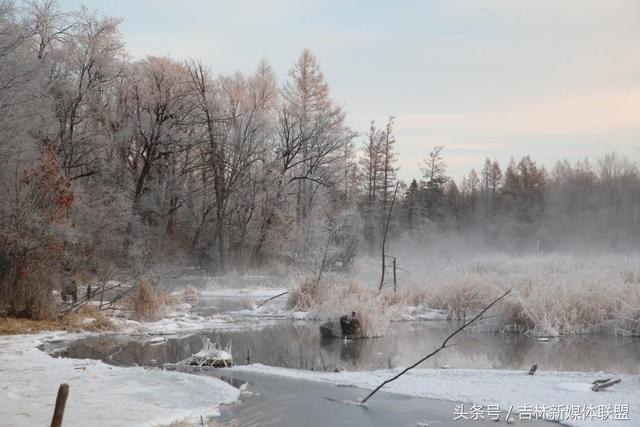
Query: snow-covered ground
[[99, 394], [489, 387]]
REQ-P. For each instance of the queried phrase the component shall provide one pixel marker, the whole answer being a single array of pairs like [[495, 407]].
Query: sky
[[485, 78]]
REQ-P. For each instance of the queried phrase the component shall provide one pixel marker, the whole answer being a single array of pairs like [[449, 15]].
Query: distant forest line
[[111, 165]]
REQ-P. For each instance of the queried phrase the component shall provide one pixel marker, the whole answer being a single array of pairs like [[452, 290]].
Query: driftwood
[[442, 347], [603, 385], [606, 380], [61, 401], [270, 299], [211, 355]]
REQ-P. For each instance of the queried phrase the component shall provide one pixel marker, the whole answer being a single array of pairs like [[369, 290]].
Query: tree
[[312, 132], [434, 178], [310, 145], [234, 117], [388, 162], [89, 58]]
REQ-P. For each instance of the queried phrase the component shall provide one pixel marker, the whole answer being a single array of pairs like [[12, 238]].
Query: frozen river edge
[[100, 394]]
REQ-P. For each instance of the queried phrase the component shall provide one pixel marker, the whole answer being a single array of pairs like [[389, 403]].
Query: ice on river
[[489, 387]]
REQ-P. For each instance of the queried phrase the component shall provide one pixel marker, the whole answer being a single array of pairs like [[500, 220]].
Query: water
[[286, 402], [282, 401], [299, 345]]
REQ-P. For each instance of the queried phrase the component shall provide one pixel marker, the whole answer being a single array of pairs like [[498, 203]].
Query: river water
[[278, 401]]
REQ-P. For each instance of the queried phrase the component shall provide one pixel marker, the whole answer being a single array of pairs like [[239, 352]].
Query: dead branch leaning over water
[[270, 299], [443, 346]]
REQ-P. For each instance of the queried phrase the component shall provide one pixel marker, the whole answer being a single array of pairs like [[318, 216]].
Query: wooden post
[[61, 401]]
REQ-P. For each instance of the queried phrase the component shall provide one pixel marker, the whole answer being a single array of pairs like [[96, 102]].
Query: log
[[602, 386], [271, 299], [61, 401]]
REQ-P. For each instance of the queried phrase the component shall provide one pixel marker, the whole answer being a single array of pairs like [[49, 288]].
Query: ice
[[486, 386]]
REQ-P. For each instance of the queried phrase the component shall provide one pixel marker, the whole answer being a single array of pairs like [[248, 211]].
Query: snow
[[184, 323], [99, 394], [425, 313], [243, 292], [485, 386]]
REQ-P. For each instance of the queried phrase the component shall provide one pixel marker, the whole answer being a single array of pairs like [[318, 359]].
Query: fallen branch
[[442, 347], [270, 299], [603, 385]]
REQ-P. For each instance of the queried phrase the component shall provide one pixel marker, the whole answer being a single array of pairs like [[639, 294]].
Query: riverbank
[[100, 394]]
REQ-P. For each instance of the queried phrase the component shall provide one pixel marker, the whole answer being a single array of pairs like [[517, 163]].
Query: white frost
[[99, 394], [259, 292], [184, 323]]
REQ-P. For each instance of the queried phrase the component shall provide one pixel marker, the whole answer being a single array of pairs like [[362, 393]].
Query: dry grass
[[552, 294], [148, 303], [190, 295], [14, 326], [310, 293], [328, 302], [87, 318]]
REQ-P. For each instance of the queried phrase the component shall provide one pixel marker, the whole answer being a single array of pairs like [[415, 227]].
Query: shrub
[[310, 293], [374, 310], [87, 318], [147, 303], [552, 294], [190, 295]]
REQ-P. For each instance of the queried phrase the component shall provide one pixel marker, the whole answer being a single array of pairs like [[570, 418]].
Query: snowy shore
[[489, 387], [99, 394]]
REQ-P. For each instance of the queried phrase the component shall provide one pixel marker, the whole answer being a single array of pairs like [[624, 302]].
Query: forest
[[110, 166]]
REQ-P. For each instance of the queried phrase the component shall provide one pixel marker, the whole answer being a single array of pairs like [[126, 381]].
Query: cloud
[[561, 114]]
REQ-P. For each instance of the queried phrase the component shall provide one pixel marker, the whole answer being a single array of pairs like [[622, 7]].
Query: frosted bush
[[552, 294], [330, 301]]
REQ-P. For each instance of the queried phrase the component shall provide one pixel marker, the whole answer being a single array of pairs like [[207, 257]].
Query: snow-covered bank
[[487, 387], [182, 321], [254, 292], [175, 324], [99, 394]]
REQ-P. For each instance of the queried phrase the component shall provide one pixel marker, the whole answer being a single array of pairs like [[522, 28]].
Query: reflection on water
[[299, 345]]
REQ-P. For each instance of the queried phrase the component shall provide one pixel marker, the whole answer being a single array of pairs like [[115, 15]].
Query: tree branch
[[444, 344]]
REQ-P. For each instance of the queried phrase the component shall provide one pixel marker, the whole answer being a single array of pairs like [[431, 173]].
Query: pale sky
[[487, 78]]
